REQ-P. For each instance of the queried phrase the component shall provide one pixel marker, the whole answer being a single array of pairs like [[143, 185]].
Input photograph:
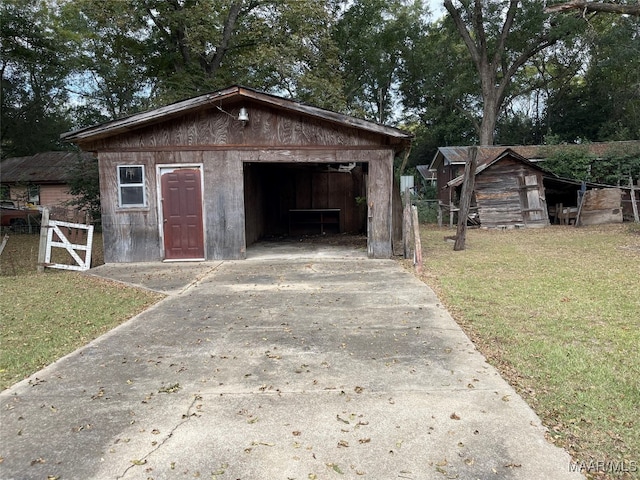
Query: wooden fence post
[[634, 204], [406, 224], [4, 243], [417, 243], [465, 200], [44, 228]]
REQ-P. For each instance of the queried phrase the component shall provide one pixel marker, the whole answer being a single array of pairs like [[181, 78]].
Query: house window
[[33, 194], [131, 192]]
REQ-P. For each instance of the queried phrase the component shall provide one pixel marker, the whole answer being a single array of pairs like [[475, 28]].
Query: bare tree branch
[[229, 27], [595, 7], [506, 28], [464, 33]]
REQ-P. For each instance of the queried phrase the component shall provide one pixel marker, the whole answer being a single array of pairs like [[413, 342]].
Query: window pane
[[33, 194], [132, 195], [130, 175]]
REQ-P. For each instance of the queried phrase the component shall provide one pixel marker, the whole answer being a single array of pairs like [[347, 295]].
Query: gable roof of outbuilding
[[487, 163], [233, 93], [548, 175], [535, 153]]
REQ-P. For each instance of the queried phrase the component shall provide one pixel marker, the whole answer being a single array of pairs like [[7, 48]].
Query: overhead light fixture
[[243, 116]]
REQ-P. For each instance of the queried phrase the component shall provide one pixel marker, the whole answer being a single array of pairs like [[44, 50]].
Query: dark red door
[[182, 215]]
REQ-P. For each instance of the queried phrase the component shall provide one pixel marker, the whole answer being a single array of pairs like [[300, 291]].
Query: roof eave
[[139, 120]]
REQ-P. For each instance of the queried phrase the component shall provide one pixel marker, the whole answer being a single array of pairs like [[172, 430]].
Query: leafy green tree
[[373, 37], [291, 52], [32, 91], [434, 87], [603, 102], [613, 167], [501, 37], [110, 77], [631, 8], [149, 52], [85, 185]]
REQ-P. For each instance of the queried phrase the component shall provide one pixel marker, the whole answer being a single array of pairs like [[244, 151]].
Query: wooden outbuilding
[[509, 191], [204, 178], [448, 162]]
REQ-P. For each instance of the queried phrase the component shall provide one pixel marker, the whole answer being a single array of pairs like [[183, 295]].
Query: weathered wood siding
[[129, 234], [267, 127], [504, 195], [224, 205], [601, 206], [379, 198], [233, 214]]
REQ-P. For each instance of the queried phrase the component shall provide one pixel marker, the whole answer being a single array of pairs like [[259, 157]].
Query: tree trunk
[[489, 119], [491, 101], [221, 50]]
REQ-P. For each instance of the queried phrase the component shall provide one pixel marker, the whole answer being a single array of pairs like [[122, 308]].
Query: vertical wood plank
[[42, 248], [379, 199], [417, 243], [407, 232], [634, 203], [224, 206], [396, 219]]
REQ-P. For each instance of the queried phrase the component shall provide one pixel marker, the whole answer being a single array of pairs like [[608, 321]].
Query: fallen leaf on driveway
[[342, 419], [170, 388]]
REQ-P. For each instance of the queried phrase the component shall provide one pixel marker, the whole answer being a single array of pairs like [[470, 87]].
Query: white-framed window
[[131, 190], [33, 194]]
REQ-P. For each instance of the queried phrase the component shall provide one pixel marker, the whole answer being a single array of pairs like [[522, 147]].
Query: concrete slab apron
[[279, 369]]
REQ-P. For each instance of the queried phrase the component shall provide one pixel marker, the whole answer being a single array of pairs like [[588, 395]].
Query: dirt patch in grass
[[557, 311]]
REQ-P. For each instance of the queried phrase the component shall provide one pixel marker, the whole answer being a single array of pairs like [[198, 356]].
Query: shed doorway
[[181, 208], [296, 201]]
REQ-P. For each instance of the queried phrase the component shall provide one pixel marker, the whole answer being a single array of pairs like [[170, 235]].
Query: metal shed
[[204, 178]]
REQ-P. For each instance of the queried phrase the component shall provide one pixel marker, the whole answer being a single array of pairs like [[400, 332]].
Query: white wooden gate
[[57, 238]]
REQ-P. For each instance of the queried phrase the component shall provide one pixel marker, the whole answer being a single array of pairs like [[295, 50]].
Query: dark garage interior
[[285, 200]]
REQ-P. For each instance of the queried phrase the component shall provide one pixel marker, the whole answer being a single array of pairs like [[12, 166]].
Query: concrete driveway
[[313, 365]]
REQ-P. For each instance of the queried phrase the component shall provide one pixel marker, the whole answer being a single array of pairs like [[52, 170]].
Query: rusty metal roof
[[46, 167], [425, 172], [505, 152], [549, 176], [534, 153], [232, 93], [459, 155]]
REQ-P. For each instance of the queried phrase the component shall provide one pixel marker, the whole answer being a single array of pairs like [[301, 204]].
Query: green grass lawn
[[45, 316], [557, 311]]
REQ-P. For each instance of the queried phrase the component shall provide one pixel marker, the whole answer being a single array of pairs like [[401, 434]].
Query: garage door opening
[[306, 202]]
